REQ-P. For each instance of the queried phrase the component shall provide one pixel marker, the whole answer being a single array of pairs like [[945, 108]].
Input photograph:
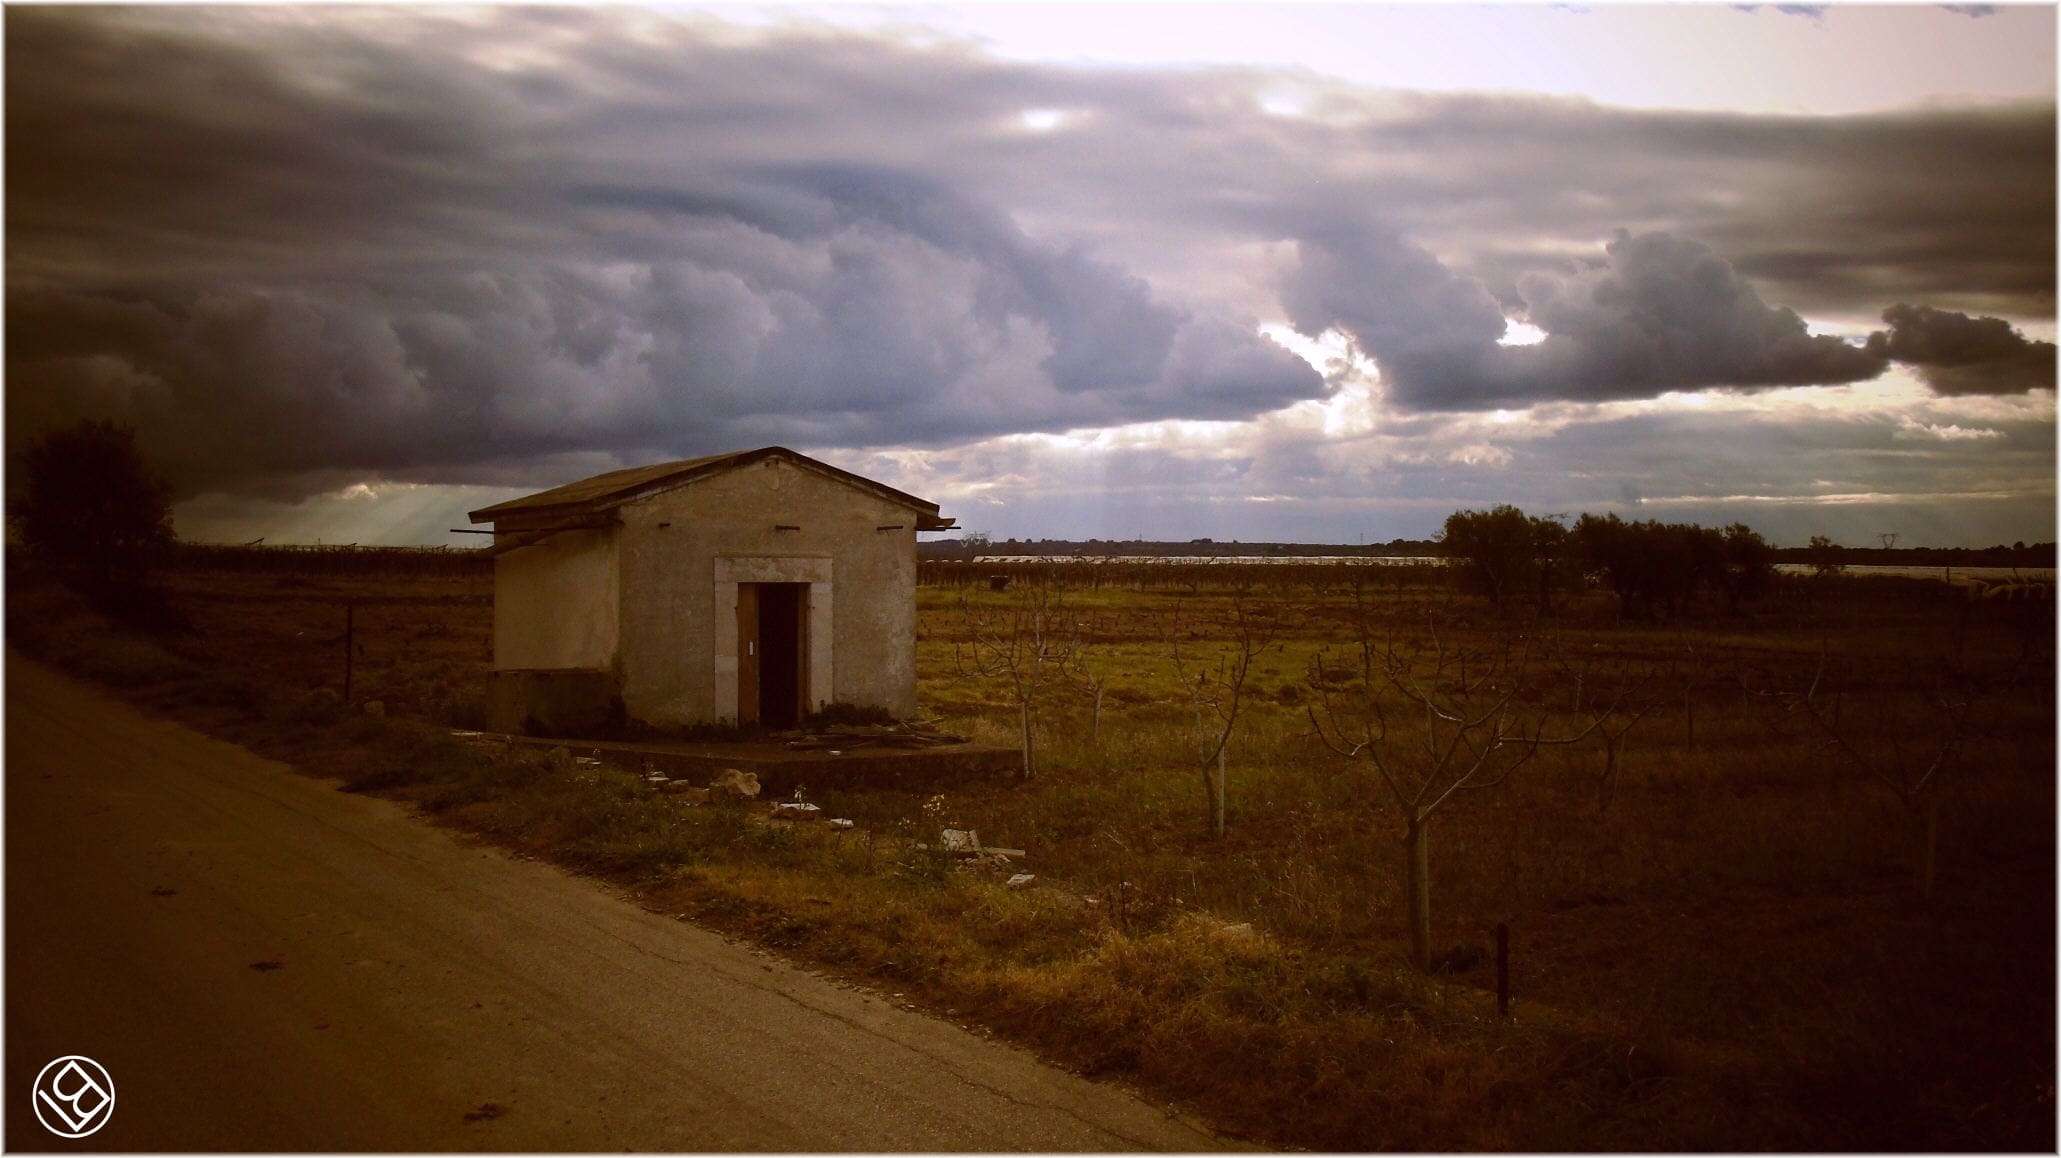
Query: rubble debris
[[795, 810], [1022, 880], [840, 823], [966, 843], [587, 761], [840, 738], [734, 784]]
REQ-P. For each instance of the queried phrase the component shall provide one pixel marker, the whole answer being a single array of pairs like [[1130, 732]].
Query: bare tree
[[1031, 642], [1215, 682], [1458, 725], [1612, 716], [1092, 684], [1911, 753]]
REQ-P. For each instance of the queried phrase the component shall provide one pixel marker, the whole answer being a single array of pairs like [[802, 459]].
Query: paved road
[[413, 980]]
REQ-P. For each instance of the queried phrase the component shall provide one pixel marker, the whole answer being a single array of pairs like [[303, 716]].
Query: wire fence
[[333, 560]]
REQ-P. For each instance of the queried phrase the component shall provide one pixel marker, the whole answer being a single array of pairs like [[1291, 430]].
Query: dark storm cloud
[[412, 299], [1957, 354], [439, 245], [1659, 313], [1842, 214]]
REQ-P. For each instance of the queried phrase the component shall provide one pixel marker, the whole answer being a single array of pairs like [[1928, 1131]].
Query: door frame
[[733, 570], [766, 678]]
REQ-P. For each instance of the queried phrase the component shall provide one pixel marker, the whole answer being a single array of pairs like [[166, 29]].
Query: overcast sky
[[1322, 273]]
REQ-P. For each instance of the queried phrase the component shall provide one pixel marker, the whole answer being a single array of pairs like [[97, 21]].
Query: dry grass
[[1725, 951]]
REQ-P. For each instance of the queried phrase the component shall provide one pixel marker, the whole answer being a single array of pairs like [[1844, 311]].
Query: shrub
[[90, 503]]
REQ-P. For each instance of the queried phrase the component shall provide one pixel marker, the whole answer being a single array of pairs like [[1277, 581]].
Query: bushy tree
[[1558, 565], [1656, 567], [1653, 567], [1824, 556], [87, 501], [1494, 549], [1747, 570]]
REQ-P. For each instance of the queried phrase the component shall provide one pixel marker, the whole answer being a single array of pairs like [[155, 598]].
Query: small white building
[[751, 587]]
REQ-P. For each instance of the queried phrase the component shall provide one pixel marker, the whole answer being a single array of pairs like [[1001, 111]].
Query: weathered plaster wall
[[679, 617], [555, 603]]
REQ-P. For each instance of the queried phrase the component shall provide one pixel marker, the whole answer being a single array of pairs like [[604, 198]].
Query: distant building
[[751, 587]]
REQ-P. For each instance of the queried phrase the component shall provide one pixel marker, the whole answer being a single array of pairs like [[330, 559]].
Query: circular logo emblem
[[74, 1096]]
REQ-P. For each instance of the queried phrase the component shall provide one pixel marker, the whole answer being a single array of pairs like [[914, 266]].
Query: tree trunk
[[1216, 795], [1607, 786], [1420, 892], [1030, 760], [1928, 846]]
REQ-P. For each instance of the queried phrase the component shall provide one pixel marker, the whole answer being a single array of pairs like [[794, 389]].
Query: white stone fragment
[[734, 783]]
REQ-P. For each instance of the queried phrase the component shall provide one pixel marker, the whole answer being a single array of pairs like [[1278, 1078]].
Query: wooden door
[[747, 653], [783, 653]]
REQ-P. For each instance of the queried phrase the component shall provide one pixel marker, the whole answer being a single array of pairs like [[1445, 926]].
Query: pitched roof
[[619, 486]]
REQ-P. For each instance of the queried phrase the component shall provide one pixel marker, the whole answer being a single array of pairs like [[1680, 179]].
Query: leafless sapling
[[1613, 704], [1215, 678], [1912, 754], [1434, 719], [1030, 642]]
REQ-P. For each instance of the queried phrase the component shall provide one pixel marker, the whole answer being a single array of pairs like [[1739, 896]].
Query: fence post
[[1502, 969], [350, 646]]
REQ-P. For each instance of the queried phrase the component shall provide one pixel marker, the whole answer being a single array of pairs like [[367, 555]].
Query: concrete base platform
[[781, 769]]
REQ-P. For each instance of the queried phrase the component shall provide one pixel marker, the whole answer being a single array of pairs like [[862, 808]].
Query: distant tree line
[[1654, 568], [976, 545], [86, 504], [1823, 551], [352, 559], [1169, 573]]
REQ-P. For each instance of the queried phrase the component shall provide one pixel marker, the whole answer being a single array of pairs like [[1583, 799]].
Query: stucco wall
[[673, 630], [555, 603]]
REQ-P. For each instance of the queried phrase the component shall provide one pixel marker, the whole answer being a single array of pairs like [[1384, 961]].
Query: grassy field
[[1718, 936]]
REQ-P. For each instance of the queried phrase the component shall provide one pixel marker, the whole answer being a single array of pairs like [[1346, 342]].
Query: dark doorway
[[773, 650]]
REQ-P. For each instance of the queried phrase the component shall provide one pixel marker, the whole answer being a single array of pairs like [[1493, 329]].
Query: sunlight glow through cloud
[[1516, 333]]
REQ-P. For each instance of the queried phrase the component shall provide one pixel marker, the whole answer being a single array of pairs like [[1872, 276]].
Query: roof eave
[[928, 518]]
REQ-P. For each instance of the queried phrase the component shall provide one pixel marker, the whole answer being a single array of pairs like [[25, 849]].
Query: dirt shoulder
[[265, 963]]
